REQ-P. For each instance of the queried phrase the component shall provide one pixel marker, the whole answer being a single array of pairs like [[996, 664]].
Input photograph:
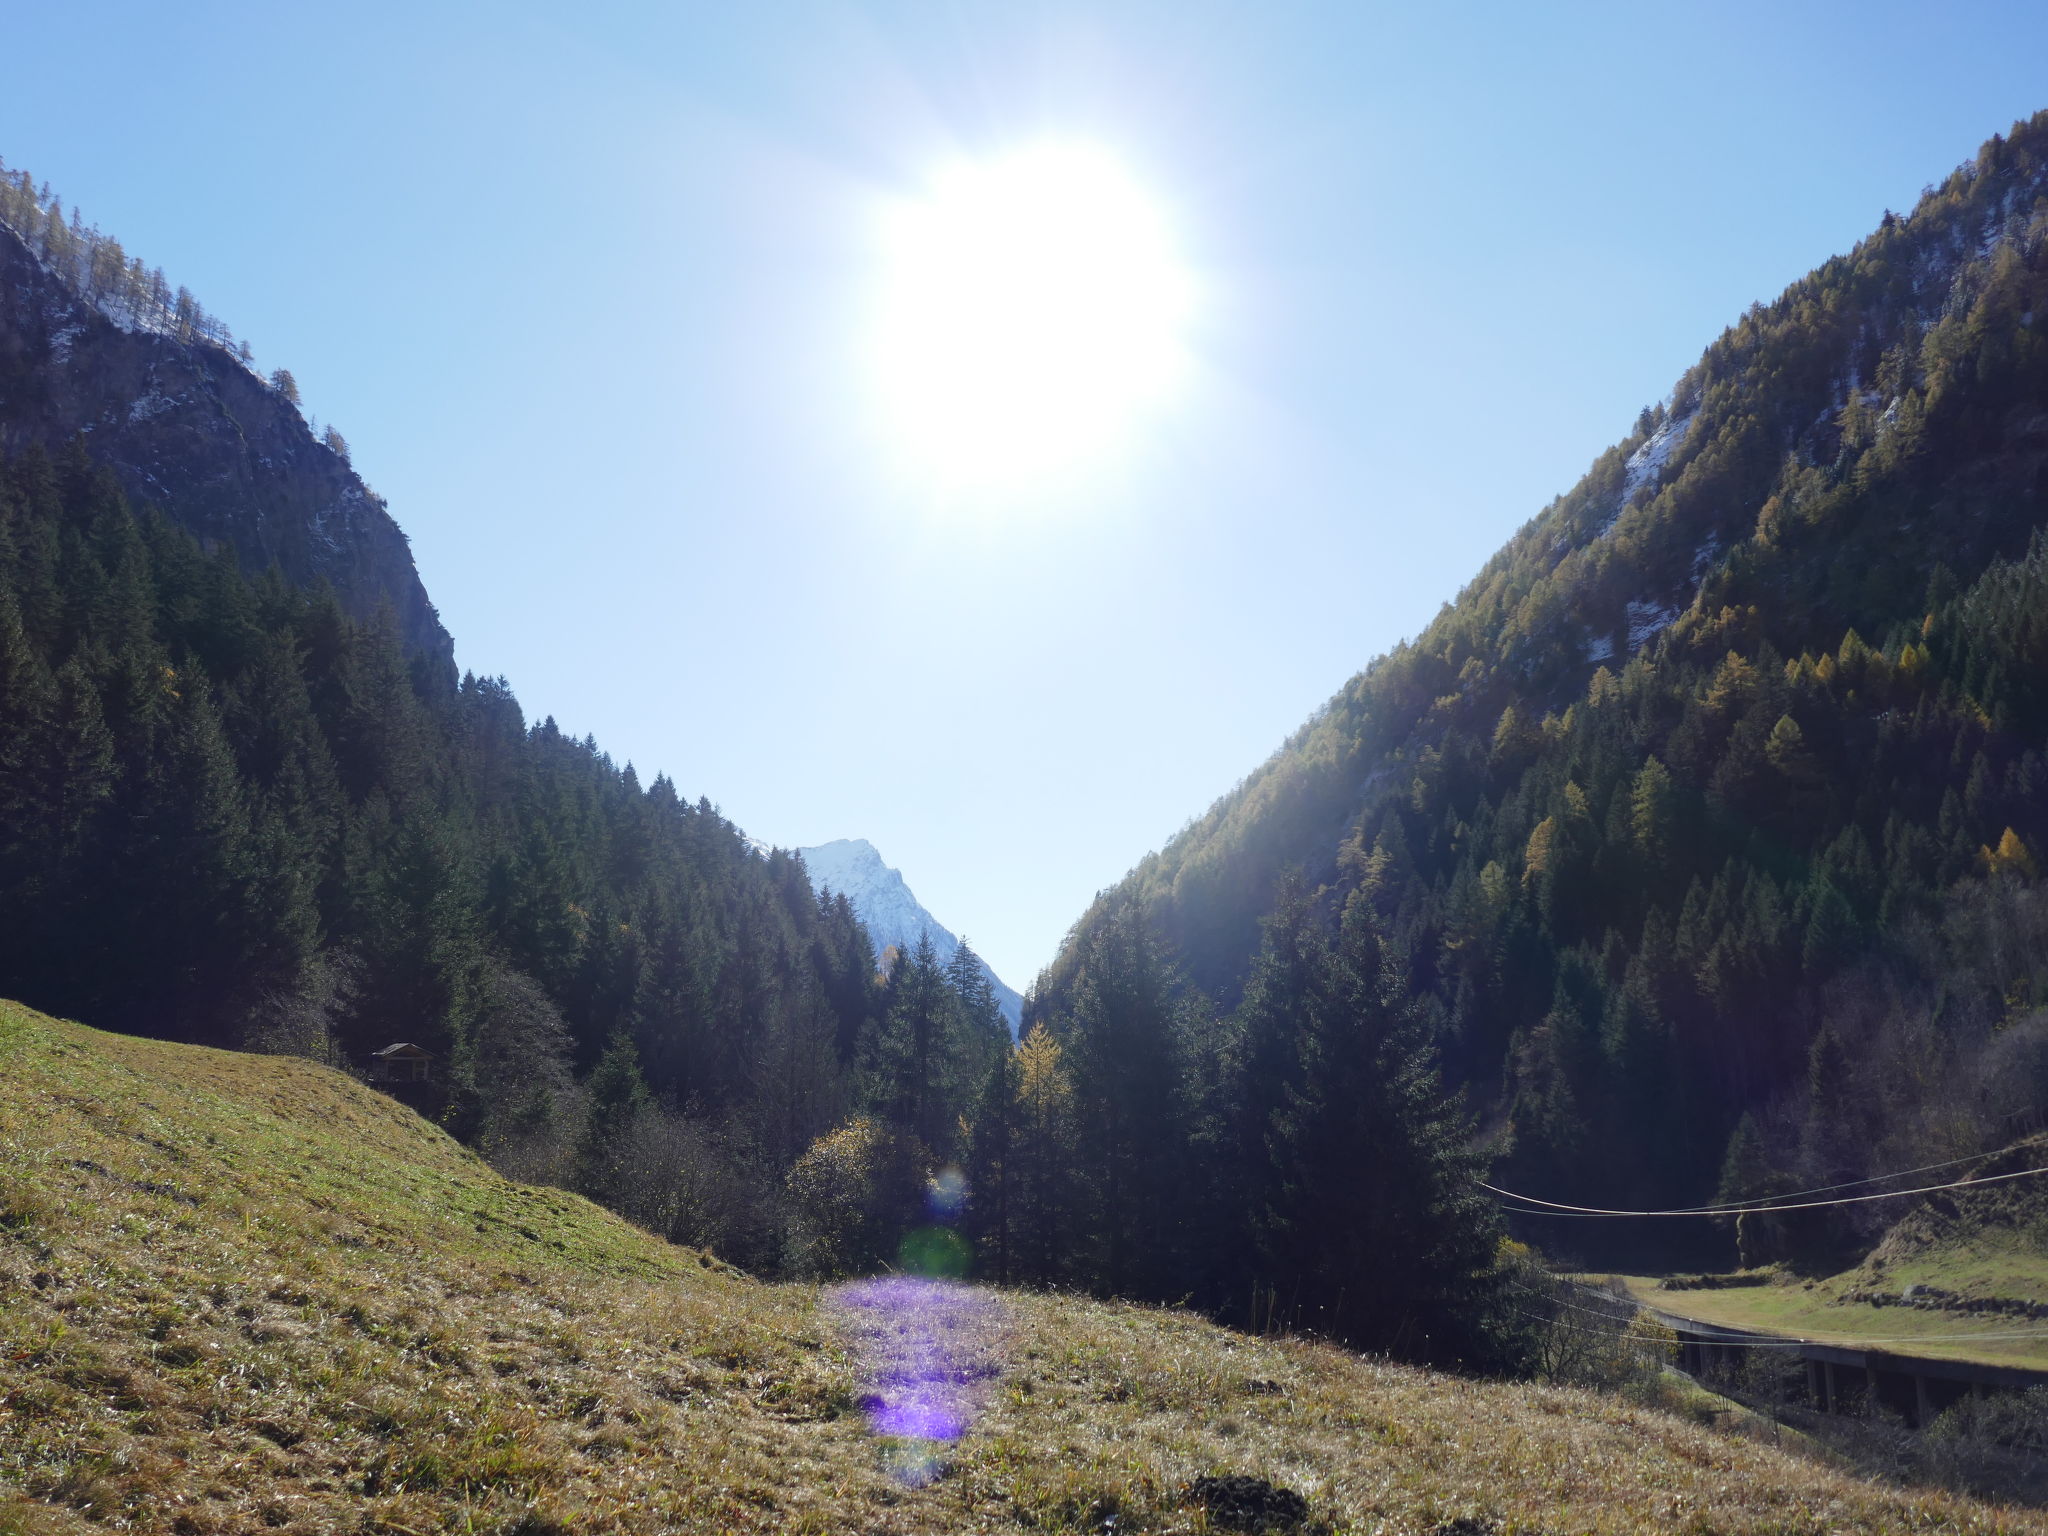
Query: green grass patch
[[1823, 1311]]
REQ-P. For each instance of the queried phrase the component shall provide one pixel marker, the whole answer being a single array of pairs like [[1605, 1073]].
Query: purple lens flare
[[929, 1352]]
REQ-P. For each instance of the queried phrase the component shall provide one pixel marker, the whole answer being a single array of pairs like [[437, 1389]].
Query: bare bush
[[304, 1019], [1585, 1335], [1995, 1447], [704, 1185]]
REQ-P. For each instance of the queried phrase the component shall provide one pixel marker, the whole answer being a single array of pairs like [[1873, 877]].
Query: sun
[[1032, 316]]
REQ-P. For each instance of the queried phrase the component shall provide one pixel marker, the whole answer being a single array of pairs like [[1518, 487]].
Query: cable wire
[[1721, 1207], [1558, 1206]]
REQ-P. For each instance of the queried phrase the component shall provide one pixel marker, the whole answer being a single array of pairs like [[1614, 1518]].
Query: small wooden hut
[[402, 1063]]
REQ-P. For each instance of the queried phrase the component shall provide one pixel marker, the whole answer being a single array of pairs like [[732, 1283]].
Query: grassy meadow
[[1959, 1277], [1828, 1311], [246, 1293]]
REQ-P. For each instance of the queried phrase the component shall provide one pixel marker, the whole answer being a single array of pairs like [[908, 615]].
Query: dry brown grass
[[245, 1294]]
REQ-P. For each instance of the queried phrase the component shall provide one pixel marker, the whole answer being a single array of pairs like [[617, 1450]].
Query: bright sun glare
[[1033, 313]]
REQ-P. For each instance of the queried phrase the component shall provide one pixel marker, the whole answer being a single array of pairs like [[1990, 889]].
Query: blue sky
[[586, 288]]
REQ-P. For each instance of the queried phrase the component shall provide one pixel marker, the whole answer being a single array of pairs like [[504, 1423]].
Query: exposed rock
[[191, 430], [891, 914]]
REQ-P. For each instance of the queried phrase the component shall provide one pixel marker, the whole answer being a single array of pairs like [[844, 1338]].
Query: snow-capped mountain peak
[[852, 867]]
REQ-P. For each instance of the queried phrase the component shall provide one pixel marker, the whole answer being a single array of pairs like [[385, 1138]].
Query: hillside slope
[[245, 1292], [1728, 769]]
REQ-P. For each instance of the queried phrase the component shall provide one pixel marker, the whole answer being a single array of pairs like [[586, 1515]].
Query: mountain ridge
[[92, 349], [888, 909]]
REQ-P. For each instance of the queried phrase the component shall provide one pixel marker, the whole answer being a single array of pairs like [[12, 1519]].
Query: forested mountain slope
[[1720, 789], [231, 814], [91, 342], [244, 800]]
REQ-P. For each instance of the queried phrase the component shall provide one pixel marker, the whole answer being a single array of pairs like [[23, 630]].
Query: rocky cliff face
[[191, 430]]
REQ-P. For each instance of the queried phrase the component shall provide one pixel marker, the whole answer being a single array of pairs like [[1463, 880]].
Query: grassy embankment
[[245, 1293], [1820, 1312], [1975, 1261]]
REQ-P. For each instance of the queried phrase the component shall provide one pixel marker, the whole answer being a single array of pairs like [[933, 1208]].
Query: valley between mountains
[[412, 1119]]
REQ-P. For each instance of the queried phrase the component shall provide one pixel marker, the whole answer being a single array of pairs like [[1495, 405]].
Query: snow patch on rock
[[1646, 465], [155, 403], [1645, 620], [1703, 559]]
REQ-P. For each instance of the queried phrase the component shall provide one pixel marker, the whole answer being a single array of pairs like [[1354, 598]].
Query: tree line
[[1295, 1163], [95, 267], [133, 295]]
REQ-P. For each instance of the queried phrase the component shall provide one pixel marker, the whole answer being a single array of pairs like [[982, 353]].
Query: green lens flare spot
[[938, 1253]]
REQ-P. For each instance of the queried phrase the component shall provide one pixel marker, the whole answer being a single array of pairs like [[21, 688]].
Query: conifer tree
[[970, 983], [919, 1057], [1374, 1230], [1043, 1160], [615, 1099], [1261, 1074], [991, 1171], [1127, 1069]]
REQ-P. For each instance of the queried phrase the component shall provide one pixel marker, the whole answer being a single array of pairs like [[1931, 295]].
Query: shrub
[[852, 1193]]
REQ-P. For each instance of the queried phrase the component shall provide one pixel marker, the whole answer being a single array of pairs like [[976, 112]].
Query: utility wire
[[1789, 1341], [1557, 1206], [1719, 1207]]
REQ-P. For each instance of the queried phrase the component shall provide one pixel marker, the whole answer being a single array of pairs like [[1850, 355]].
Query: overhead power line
[[1825, 1189], [1725, 1207], [1787, 1341], [1550, 1207]]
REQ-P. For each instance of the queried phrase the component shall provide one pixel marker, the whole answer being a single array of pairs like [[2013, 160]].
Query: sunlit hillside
[[245, 1292], [1710, 812]]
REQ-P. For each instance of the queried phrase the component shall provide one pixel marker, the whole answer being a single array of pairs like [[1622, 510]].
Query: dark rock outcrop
[[189, 429]]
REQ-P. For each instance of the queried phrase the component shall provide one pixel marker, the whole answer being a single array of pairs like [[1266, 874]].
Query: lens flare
[[946, 1194], [929, 1352], [935, 1253], [929, 1348]]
